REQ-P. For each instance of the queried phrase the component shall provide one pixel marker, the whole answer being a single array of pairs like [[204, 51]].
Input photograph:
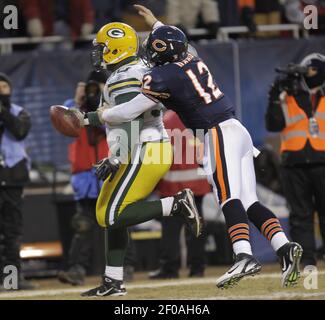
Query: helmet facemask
[[97, 55]]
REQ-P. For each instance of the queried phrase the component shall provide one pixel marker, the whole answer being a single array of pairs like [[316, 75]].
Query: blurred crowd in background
[[75, 18]]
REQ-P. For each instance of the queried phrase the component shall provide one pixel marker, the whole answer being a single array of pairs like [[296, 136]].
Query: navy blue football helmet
[[166, 44]]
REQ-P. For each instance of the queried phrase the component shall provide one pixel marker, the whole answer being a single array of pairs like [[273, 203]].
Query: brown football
[[65, 121]]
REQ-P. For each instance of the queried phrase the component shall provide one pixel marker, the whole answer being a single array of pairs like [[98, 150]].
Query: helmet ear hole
[[114, 51], [106, 50]]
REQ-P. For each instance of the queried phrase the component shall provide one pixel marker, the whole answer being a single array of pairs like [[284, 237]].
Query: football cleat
[[184, 206], [109, 287], [289, 256], [244, 265]]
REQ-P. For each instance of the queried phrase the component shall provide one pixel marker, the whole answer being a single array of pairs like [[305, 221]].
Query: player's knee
[[232, 209], [248, 202], [228, 200]]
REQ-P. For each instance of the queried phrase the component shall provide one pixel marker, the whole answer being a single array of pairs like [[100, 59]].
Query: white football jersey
[[123, 82]]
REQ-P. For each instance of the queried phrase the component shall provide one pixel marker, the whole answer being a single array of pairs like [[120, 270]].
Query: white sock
[[242, 246], [114, 272], [278, 240], [167, 204]]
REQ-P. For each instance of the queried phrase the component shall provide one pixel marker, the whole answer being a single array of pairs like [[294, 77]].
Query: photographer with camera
[[296, 108], [15, 125], [84, 152]]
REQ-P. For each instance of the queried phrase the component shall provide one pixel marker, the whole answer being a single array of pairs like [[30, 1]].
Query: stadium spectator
[[229, 13], [48, 17], [250, 13], [237, 12], [186, 15], [247, 10], [84, 152], [296, 108], [181, 175], [132, 18], [15, 124], [106, 11], [294, 11], [267, 12]]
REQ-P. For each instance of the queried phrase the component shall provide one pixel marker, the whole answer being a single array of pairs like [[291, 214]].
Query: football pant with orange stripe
[[228, 162]]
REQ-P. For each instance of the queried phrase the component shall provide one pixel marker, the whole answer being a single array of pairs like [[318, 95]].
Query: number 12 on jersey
[[215, 91]]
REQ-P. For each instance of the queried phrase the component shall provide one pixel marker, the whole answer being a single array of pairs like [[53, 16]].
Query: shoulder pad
[[154, 85]]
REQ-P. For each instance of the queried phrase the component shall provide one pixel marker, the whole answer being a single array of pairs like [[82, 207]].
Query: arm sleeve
[[129, 110], [19, 125], [157, 24]]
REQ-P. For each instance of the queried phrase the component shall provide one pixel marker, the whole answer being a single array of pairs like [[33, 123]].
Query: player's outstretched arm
[[147, 14], [124, 112]]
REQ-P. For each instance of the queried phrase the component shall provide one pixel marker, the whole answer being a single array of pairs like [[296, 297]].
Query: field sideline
[[264, 286]]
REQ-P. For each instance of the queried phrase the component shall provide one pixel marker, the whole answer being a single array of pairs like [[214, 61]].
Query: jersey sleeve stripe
[[150, 97], [156, 94], [124, 86], [109, 85]]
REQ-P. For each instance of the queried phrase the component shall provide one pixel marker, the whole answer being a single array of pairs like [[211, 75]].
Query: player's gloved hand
[[100, 112], [80, 115], [147, 14], [95, 118], [107, 167]]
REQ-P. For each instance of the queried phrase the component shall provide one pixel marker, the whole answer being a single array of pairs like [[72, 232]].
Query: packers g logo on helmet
[[117, 41], [116, 33]]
